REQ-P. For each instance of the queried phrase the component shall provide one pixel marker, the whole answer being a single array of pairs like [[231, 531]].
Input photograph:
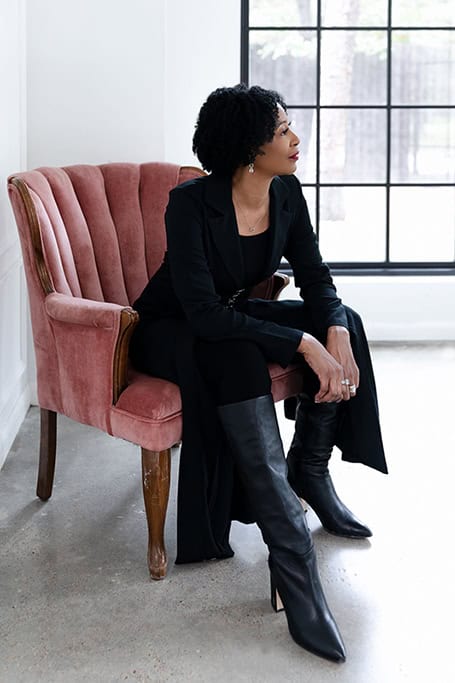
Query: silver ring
[[345, 381], [352, 388]]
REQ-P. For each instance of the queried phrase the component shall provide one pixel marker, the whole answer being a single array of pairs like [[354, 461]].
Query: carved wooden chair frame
[[156, 465]]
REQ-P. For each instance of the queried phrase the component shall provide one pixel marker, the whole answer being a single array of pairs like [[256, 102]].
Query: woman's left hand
[[339, 346]]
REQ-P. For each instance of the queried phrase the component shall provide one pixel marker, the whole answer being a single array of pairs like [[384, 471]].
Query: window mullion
[[389, 129], [318, 116]]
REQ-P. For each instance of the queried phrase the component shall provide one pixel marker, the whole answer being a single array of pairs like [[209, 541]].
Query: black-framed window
[[370, 85]]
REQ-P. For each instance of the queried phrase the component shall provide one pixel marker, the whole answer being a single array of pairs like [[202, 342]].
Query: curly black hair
[[233, 124]]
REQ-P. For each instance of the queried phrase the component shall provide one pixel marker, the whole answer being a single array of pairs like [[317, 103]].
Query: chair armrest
[[91, 340], [280, 281], [72, 309], [270, 288]]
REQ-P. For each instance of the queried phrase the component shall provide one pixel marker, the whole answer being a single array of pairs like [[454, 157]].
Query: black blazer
[[203, 266]]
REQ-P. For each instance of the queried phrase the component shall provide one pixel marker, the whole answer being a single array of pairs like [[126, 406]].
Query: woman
[[227, 232]]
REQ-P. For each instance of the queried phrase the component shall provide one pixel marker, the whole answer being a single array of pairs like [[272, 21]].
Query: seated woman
[[227, 232]]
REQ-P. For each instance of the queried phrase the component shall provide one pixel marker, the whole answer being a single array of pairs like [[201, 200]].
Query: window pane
[[422, 67], [352, 223], [353, 145], [285, 61], [283, 13], [310, 196], [360, 13], [305, 127], [423, 13], [422, 223], [423, 145], [353, 67]]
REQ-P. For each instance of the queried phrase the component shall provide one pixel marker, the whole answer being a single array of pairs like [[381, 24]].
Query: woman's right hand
[[324, 365]]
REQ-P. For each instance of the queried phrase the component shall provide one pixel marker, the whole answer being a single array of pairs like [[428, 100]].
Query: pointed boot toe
[[319, 492], [324, 642], [352, 528]]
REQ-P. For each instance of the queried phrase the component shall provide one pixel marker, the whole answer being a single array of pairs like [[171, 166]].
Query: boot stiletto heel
[[275, 597]]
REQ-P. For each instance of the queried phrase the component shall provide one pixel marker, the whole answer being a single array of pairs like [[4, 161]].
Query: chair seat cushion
[[149, 410]]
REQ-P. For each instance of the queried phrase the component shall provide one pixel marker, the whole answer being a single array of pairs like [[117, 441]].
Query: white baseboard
[[11, 418]]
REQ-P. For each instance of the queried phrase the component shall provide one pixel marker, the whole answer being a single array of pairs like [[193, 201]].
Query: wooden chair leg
[[48, 442], [156, 468]]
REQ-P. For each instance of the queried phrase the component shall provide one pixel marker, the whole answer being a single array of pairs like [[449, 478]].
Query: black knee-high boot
[[308, 473], [252, 431]]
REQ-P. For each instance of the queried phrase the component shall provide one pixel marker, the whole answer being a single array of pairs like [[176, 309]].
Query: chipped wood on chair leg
[[156, 467], [48, 442]]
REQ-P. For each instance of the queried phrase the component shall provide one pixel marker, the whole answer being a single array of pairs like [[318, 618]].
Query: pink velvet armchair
[[91, 238]]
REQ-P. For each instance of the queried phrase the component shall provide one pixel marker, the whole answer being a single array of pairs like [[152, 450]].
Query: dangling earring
[[251, 167]]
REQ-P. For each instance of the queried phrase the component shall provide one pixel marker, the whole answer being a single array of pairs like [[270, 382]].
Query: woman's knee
[[237, 356], [352, 312], [354, 318], [233, 368]]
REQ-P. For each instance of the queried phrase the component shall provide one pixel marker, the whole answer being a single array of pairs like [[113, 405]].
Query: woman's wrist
[[337, 330], [304, 343]]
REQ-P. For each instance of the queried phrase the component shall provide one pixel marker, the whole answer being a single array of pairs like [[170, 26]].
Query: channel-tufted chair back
[[102, 227]]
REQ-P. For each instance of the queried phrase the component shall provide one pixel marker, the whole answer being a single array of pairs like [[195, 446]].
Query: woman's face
[[280, 154]]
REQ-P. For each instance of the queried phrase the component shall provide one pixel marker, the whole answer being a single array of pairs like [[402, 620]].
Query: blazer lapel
[[223, 226], [280, 220]]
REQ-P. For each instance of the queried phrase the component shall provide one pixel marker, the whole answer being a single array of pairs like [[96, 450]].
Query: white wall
[[395, 308], [399, 308], [202, 52], [14, 388], [95, 81], [115, 81]]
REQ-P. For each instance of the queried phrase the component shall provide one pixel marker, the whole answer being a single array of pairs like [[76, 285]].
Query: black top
[[254, 251]]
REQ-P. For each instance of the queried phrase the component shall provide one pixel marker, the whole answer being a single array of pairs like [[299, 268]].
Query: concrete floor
[[77, 605]]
